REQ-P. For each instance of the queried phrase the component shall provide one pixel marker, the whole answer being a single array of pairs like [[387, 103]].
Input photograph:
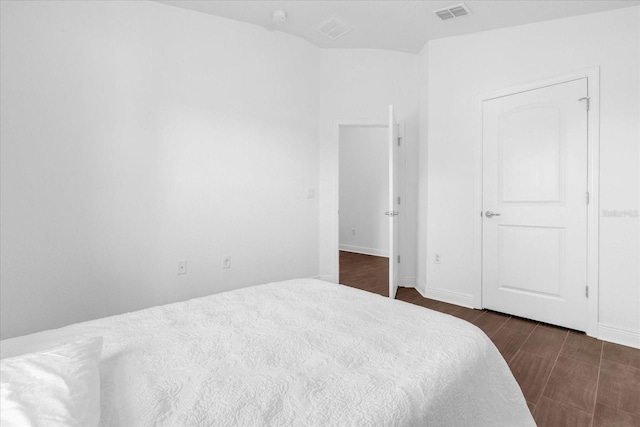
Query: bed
[[294, 353]]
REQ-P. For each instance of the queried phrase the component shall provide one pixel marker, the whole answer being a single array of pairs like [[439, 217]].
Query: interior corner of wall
[[409, 282], [421, 287]]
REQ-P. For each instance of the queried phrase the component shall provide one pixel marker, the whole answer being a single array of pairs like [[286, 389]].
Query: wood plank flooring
[[567, 378]]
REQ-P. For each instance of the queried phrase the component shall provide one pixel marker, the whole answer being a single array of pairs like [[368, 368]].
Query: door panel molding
[[553, 240], [592, 74]]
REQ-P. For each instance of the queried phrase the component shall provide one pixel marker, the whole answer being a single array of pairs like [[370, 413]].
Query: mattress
[[294, 353]]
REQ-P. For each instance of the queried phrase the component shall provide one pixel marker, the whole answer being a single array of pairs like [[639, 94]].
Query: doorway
[[363, 199], [535, 204], [392, 212]]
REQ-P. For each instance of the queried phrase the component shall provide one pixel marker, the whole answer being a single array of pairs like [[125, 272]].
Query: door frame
[[592, 74]]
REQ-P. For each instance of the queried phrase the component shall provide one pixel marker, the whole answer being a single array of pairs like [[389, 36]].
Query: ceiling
[[403, 25]]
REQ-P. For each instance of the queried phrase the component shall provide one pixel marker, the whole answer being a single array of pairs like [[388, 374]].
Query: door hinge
[[586, 98], [587, 197], [399, 138], [398, 259], [586, 291], [398, 199]]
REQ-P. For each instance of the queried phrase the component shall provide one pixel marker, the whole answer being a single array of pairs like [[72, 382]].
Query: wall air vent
[[334, 28], [453, 12]]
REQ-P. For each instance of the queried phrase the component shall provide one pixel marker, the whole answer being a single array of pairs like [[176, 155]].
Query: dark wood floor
[[568, 378]]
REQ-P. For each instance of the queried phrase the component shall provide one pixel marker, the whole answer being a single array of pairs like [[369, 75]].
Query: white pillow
[[57, 387]]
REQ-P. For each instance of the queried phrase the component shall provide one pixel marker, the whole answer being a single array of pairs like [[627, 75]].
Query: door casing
[[593, 144]]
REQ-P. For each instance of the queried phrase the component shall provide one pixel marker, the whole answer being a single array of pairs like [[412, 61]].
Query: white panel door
[[392, 213], [535, 204]]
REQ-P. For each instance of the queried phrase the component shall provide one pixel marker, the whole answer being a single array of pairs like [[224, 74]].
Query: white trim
[[619, 336], [325, 278], [593, 215], [457, 298], [592, 74], [539, 84], [364, 251]]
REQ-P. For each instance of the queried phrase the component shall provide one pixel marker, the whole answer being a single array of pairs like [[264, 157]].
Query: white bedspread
[[295, 353]]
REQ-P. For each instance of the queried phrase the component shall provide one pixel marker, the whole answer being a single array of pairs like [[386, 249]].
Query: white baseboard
[[325, 278], [364, 251], [456, 298], [618, 336]]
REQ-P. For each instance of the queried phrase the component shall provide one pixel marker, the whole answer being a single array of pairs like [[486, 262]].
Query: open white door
[[392, 213]]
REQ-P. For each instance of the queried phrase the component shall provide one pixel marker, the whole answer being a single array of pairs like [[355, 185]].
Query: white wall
[[357, 86], [136, 134], [364, 190], [463, 69]]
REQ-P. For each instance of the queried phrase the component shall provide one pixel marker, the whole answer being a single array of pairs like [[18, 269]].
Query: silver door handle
[[490, 214], [388, 213]]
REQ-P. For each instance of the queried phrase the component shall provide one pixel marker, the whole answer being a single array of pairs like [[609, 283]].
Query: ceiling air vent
[[453, 12], [334, 28]]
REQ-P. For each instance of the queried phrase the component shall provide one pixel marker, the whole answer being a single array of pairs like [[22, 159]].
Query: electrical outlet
[[182, 267], [437, 258], [226, 262], [353, 231]]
